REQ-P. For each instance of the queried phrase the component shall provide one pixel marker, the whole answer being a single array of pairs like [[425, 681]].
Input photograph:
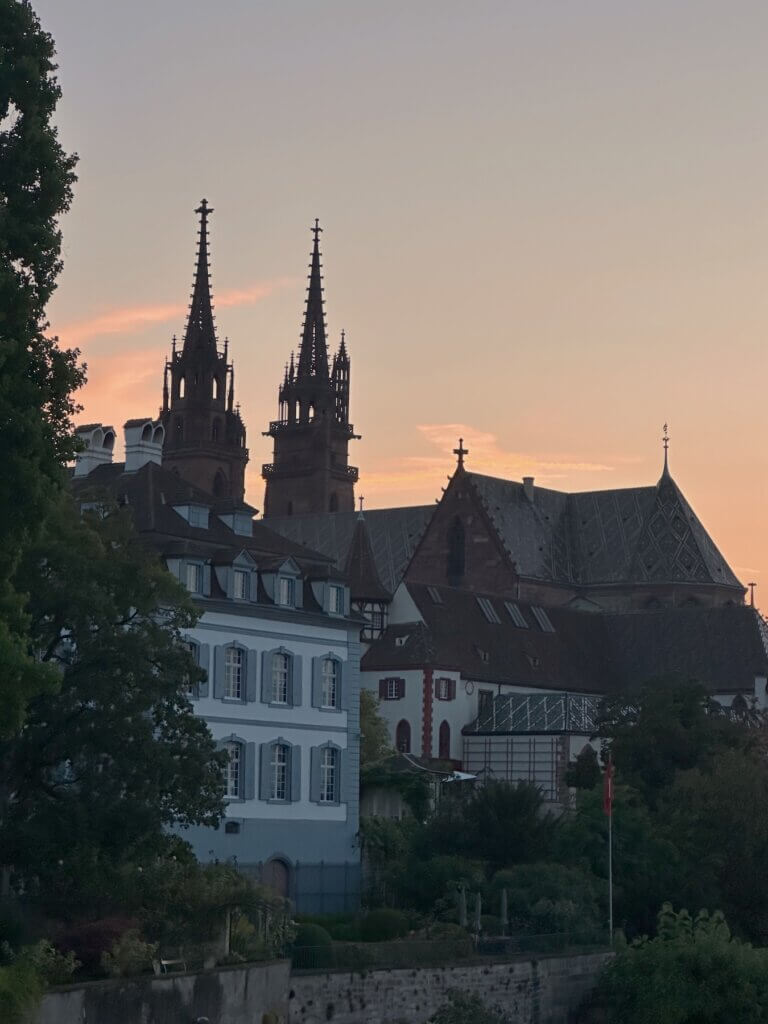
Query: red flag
[[608, 788]]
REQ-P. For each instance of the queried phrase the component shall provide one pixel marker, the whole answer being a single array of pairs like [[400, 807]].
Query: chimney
[[143, 443], [528, 487], [99, 444]]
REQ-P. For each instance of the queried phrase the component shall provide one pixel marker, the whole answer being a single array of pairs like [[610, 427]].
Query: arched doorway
[[277, 875], [444, 742], [403, 737]]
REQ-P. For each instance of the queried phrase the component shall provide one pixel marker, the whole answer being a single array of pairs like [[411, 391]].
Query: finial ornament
[[460, 452], [360, 500], [751, 594], [665, 439]]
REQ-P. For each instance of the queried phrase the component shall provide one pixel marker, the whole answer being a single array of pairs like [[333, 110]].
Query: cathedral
[[490, 623]]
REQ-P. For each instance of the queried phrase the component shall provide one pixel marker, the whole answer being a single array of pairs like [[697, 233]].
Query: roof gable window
[[195, 515], [488, 610], [544, 621], [516, 615]]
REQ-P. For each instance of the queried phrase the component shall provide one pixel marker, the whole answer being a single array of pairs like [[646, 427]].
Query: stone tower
[[310, 469], [204, 434]]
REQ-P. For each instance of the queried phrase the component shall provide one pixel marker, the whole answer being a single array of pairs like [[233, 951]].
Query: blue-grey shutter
[[344, 781], [207, 579], [295, 773], [204, 660], [251, 673], [344, 685], [218, 671], [314, 775], [295, 695], [264, 770], [266, 676], [249, 778], [317, 682]]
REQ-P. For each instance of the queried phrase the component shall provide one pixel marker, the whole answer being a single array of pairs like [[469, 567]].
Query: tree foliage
[[37, 378], [115, 755], [693, 972], [465, 1008], [374, 734]]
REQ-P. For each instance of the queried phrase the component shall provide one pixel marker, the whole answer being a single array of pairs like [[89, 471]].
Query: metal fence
[[410, 953]]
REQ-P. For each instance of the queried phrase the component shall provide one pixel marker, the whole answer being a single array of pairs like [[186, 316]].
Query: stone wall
[[233, 995], [540, 991]]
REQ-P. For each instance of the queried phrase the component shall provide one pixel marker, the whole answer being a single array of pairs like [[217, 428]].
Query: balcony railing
[[276, 426], [271, 469]]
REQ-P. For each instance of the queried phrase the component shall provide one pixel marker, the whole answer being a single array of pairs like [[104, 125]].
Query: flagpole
[[610, 875]]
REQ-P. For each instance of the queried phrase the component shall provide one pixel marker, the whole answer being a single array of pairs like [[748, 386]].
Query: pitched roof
[[364, 581], [586, 652], [393, 535], [625, 535]]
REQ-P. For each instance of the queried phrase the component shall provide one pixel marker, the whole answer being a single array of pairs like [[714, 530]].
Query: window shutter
[[382, 689], [266, 676], [343, 786], [317, 682], [296, 670], [249, 776], [452, 689], [204, 661], [314, 775], [264, 769], [207, 579], [251, 671], [295, 793], [400, 688], [218, 671], [344, 685]]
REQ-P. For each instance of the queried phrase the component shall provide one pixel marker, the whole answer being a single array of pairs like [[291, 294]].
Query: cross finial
[[752, 594], [316, 229], [204, 209], [665, 440], [361, 499], [461, 451]]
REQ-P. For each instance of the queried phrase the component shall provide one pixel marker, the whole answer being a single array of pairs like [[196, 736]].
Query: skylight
[[434, 593], [516, 615], [543, 619], [488, 610]]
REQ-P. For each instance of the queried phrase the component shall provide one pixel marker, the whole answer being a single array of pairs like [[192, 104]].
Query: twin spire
[[201, 331], [313, 354]]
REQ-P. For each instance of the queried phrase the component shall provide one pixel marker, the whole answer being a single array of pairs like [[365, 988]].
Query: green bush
[[312, 948], [55, 967], [442, 931], [130, 955], [21, 988], [381, 925], [463, 1008]]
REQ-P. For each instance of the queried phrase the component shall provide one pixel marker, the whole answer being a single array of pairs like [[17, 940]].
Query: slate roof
[[151, 492], [364, 581], [393, 534], [587, 652], [626, 535]]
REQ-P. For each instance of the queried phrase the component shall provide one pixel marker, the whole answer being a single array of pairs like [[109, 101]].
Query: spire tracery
[[200, 330]]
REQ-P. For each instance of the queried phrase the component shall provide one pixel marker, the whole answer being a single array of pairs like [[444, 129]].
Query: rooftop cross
[[361, 499], [461, 451], [665, 439], [752, 594]]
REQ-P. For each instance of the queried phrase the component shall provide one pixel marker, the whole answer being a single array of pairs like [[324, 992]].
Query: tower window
[[179, 428], [182, 387], [333, 504], [215, 431], [215, 387]]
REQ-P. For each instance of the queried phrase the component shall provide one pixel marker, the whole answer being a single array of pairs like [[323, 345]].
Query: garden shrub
[[384, 924], [90, 939], [21, 988], [130, 955], [54, 967], [312, 947]]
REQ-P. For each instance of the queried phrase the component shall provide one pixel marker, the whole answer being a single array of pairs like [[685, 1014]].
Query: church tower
[[204, 435], [310, 470]]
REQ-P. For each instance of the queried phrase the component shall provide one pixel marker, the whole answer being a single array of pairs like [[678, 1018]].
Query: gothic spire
[[665, 439], [313, 354], [200, 332]]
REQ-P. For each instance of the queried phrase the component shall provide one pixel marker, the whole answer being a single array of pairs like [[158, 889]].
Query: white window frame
[[279, 767], [241, 585], [329, 690], [443, 688], [393, 687], [329, 766], [193, 577], [234, 663], [234, 770], [335, 600], [280, 681], [286, 591]]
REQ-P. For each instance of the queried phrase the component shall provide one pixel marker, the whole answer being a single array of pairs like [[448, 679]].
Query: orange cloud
[[133, 319]]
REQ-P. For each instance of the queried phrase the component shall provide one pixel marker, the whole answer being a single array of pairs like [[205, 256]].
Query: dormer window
[[241, 587], [335, 600], [198, 516], [286, 591], [194, 577]]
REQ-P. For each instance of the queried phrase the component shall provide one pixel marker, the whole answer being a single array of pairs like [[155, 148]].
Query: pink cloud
[[134, 319]]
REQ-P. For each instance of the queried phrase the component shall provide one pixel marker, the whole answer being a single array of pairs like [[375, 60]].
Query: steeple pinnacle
[[200, 332], [313, 354], [665, 440]]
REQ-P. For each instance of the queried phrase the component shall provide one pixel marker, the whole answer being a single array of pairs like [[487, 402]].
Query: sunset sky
[[545, 228]]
